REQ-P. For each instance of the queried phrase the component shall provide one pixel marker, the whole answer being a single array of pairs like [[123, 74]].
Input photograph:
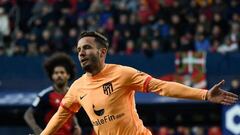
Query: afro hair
[[60, 59]]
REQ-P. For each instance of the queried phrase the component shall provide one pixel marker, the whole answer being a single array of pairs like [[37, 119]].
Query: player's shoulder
[[45, 91], [79, 81], [122, 70], [118, 67], [125, 68]]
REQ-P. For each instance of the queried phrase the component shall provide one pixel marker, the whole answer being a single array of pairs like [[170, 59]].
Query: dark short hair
[[100, 38], [60, 59]]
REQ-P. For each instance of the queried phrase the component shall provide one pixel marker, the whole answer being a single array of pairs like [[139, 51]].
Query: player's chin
[[85, 66], [60, 82]]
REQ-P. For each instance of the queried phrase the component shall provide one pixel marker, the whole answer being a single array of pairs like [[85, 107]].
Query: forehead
[[86, 41], [59, 68]]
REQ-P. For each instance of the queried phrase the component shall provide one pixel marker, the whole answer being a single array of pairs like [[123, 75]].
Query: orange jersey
[[108, 98]]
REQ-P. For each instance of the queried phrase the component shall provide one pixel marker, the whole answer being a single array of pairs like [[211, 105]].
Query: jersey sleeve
[[69, 102], [136, 79], [177, 90], [40, 101]]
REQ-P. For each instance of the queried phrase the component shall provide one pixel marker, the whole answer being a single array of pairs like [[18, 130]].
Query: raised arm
[[173, 89], [145, 83]]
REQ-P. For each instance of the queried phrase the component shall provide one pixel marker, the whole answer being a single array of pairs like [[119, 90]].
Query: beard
[[60, 84]]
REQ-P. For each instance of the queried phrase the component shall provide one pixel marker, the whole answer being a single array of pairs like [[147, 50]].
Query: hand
[[218, 95], [77, 130]]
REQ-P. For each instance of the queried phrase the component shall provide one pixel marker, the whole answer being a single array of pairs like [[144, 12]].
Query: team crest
[[107, 88]]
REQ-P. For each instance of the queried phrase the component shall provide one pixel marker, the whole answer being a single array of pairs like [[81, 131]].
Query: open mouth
[[83, 60]]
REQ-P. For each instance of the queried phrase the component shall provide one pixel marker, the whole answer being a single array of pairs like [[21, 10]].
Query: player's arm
[[145, 83], [56, 122], [30, 120], [173, 89], [77, 128], [69, 105]]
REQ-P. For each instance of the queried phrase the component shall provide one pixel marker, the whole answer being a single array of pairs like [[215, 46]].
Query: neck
[[96, 70], [61, 89]]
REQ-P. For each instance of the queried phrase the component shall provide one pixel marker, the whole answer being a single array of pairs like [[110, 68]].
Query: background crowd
[[41, 27]]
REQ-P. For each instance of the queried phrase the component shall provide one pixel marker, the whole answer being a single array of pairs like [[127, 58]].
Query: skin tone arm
[[30, 120], [56, 122]]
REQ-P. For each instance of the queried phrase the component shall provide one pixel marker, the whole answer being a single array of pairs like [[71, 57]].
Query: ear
[[103, 52]]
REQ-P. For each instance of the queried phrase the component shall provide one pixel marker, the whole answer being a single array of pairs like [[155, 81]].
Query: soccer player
[[60, 69], [106, 92]]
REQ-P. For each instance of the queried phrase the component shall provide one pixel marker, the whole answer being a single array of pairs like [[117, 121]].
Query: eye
[[87, 47], [78, 49]]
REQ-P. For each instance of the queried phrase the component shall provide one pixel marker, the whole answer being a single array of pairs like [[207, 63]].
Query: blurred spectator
[[181, 130], [146, 49], [156, 47], [215, 46], [21, 44], [202, 43], [235, 33], [186, 42], [145, 14], [198, 130], [109, 25], [203, 25], [219, 7], [228, 46], [217, 33], [4, 27], [45, 42], [32, 49], [163, 131], [173, 41], [220, 22], [71, 41], [214, 131], [130, 47], [205, 8], [234, 8], [114, 48], [235, 86], [123, 23], [143, 37]]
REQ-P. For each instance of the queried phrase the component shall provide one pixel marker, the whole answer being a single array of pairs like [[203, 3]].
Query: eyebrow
[[83, 46]]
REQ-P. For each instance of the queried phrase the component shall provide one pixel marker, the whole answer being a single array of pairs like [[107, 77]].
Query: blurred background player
[[60, 69]]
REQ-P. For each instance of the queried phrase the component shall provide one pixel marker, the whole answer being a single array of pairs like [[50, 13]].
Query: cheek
[[94, 57], [66, 76], [54, 77]]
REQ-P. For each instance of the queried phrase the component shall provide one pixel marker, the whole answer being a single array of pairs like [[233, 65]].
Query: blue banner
[[231, 120]]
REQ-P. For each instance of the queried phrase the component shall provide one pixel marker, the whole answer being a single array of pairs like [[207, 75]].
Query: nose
[[81, 53]]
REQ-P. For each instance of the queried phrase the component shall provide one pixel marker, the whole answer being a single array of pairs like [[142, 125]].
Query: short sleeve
[[135, 79], [41, 100], [70, 102]]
